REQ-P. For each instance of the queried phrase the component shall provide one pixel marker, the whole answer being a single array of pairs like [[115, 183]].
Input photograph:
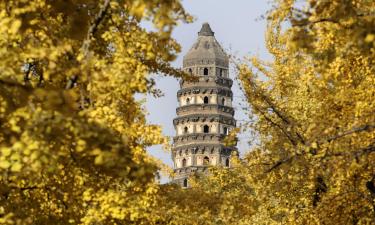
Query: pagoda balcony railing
[[204, 108], [198, 138]]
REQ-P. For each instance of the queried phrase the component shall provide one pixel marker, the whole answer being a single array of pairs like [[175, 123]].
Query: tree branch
[[281, 116], [302, 24], [15, 84], [278, 126], [278, 113], [90, 33], [322, 20], [279, 163], [94, 27], [357, 153], [367, 127]]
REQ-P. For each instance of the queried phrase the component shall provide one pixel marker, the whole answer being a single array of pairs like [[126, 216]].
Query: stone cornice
[[215, 108], [202, 148], [224, 91], [199, 137], [205, 118]]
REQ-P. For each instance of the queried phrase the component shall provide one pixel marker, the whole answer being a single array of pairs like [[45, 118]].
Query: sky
[[239, 28]]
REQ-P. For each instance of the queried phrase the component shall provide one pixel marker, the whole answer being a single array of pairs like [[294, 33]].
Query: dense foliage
[[73, 137], [316, 111]]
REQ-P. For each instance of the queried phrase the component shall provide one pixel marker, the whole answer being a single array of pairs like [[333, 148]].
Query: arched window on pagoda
[[206, 129], [205, 100], [205, 71], [206, 160]]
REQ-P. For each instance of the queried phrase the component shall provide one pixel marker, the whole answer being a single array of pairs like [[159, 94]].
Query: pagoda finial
[[206, 30]]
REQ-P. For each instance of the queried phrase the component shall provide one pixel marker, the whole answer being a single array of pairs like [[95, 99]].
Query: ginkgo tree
[[72, 136], [315, 105], [314, 110]]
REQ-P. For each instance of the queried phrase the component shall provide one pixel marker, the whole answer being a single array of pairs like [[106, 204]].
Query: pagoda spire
[[206, 30]]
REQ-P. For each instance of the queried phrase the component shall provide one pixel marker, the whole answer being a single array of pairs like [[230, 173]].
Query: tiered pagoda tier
[[205, 112]]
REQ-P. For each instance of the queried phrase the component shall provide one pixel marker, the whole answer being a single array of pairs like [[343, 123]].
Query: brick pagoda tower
[[205, 112]]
